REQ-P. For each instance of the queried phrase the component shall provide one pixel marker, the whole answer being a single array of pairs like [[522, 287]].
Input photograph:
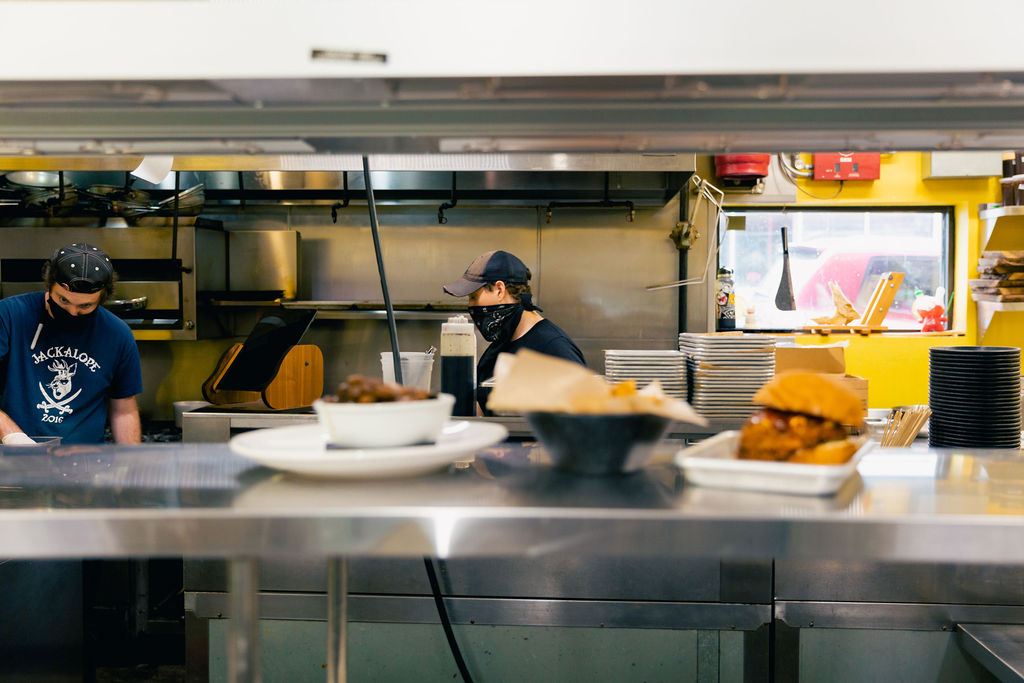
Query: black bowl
[[598, 444]]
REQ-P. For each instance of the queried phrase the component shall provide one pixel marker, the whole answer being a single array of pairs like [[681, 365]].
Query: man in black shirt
[[501, 305]]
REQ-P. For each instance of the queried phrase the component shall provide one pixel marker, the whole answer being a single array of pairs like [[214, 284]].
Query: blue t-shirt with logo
[[58, 382]]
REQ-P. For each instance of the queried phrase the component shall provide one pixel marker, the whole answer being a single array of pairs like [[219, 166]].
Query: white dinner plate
[[713, 462], [642, 353], [303, 449]]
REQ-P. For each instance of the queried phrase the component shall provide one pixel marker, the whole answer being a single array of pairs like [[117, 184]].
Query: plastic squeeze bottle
[[458, 363]]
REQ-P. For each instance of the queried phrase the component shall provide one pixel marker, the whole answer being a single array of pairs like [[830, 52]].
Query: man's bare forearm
[[125, 423]]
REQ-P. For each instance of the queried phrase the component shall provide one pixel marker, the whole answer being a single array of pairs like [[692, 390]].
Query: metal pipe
[[337, 619], [342, 204], [447, 205], [392, 330], [244, 624], [684, 260], [174, 223]]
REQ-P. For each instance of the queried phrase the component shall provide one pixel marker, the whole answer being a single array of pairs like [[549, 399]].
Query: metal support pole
[[244, 624], [372, 206], [337, 619]]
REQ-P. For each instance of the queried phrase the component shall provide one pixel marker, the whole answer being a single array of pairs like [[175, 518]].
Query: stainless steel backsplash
[[590, 267]]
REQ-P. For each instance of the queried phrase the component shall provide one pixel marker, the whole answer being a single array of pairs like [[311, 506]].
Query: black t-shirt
[[544, 337]]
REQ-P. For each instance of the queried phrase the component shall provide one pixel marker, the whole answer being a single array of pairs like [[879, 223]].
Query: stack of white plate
[[725, 371], [644, 366]]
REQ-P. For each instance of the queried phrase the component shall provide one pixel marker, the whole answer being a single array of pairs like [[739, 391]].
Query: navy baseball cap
[[487, 268], [81, 268]]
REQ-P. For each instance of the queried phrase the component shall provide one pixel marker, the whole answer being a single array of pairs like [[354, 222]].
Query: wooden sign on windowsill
[[874, 314]]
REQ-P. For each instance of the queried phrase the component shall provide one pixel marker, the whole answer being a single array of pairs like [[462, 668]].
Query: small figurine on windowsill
[[929, 310]]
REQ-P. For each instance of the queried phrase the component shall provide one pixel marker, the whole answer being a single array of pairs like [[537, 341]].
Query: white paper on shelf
[[154, 168]]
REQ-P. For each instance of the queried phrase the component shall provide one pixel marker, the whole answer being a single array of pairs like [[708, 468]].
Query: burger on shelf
[[804, 419]]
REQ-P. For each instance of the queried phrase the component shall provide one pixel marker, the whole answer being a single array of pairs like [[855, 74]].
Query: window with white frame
[[851, 247]]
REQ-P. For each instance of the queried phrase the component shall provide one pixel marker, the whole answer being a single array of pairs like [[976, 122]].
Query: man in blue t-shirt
[[70, 364], [501, 305]]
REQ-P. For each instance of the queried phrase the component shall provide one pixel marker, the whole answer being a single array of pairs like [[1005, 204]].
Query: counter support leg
[[244, 625], [337, 618]]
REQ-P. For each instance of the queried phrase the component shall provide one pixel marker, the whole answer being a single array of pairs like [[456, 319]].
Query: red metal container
[[742, 166]]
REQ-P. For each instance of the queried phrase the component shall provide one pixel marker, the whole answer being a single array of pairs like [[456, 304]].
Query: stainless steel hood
[[453, 76], [668, 114]]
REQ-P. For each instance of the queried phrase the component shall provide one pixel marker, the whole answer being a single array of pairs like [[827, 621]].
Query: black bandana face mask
[[64, 320], [497, 323]]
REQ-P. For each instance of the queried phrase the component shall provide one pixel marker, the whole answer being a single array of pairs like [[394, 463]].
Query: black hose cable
[[446, 624]]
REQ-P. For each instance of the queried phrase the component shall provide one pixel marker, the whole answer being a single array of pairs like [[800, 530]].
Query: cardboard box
[[827, 359], [857, 385]]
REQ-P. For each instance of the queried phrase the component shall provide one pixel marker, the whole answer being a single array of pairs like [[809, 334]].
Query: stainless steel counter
[[200, 500]]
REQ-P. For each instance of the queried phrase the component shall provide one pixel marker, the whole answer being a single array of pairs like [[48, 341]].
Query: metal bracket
[[683, 235]]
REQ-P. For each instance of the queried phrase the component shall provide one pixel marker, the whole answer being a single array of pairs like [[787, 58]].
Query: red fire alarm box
[[847, 166]]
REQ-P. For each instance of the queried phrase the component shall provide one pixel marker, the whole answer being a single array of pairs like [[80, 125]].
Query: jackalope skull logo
[[60, 386]]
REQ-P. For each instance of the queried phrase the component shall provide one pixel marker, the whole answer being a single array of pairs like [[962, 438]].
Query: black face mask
[[497, 323], [65, 321]]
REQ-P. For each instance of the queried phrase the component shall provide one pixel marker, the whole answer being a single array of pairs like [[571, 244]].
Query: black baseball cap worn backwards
[[489, 267], [81, 268]]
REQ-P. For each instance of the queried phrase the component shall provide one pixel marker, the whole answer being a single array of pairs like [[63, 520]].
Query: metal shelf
[[352, 310], [1001, 306], [1001, 212], [1008, 216]]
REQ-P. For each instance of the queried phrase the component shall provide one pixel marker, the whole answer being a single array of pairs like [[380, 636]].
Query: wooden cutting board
[[298, 382]]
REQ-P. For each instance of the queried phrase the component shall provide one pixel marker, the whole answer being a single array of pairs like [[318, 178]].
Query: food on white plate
[[803, 420]]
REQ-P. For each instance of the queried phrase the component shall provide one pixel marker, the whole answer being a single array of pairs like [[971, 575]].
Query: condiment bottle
[[725, 300], [458, 363]]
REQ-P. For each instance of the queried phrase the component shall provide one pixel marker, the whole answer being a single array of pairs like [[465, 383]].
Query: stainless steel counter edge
[[201, 500], [475, 532]]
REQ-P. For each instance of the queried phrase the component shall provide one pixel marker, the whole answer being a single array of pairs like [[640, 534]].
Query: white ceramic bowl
[[384, 425]]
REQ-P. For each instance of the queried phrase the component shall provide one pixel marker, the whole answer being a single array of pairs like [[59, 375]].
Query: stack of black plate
[[974, 395]]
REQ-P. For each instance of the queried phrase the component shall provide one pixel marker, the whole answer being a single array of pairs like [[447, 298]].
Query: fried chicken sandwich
[[802, 420]]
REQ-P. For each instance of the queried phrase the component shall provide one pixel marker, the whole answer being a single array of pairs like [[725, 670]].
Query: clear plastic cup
[[416, 368]]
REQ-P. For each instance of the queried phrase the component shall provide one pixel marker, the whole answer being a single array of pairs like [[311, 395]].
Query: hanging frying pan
[[784, 300]]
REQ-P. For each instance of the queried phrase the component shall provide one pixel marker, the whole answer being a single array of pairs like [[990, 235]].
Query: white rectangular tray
[[713, 462]]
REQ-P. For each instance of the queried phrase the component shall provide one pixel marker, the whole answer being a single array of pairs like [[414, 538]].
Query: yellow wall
[[897, 365]]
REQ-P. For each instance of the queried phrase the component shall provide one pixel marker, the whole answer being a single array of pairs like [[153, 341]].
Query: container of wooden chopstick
[[904, 425]]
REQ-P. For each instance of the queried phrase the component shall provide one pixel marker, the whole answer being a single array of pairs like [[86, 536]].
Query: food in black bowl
[[599, 444]]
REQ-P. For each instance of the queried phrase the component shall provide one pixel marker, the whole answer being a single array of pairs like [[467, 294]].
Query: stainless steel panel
[[746, 581], [580, 578], [707, 656], [829, 580], [264, 260], [592, 268], [488, 611], [151, 242], [205, 427], [892, 615], [419, 255], [1000, 649]]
